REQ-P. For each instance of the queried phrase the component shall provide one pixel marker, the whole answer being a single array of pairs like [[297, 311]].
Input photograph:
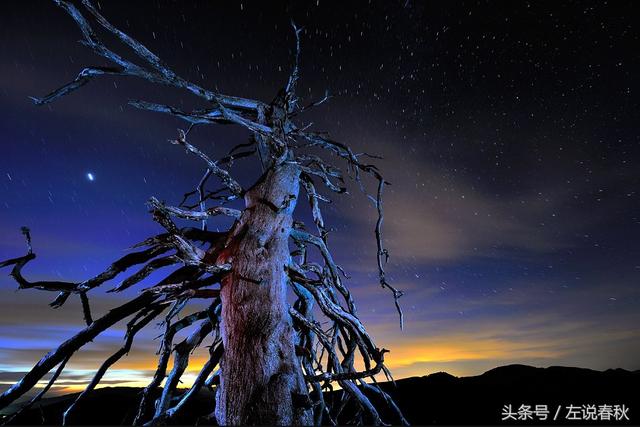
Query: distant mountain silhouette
[[439, 398]]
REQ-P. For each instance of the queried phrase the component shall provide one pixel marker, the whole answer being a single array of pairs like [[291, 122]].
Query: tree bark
[[262, 381]]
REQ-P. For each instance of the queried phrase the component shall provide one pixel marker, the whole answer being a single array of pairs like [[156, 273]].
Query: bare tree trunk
[[262, 380]]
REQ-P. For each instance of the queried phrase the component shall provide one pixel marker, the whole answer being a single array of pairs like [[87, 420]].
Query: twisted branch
[[133, 327], [70, 346]]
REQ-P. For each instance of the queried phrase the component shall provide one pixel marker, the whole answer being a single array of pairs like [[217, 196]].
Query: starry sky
[[509, 132]]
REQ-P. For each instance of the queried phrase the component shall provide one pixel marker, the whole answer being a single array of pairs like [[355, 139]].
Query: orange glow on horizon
[[407, 359], [457, 350]]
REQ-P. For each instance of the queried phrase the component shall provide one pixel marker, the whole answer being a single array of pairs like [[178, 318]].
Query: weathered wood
[[260, 374]]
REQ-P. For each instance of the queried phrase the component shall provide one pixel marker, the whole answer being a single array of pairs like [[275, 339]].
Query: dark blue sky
[[510, 136]]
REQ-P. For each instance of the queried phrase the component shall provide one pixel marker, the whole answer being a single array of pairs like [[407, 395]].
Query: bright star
[[90, 176]]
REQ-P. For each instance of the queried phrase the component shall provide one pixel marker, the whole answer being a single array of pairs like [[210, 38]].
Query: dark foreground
[[572, 396]]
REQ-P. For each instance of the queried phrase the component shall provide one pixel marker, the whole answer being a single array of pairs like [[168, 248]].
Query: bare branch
[[290, 89], [66, 288], [317, 103], [122, 265], [388, 400], [383, 254], [165, 353], [180, 362], [303, 236], [346, 153], [215, 354], [222, 174], [84, 77], [40, 394], [133, 327], [194, 215], [161, 74], [202, 196], [188, 253], [326, 178], [86, 308], [20, 262], [203, 117], [145, 271], [349, 386], [70, 346]]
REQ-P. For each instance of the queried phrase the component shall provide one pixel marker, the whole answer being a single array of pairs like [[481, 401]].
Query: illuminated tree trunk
[[261, 381]]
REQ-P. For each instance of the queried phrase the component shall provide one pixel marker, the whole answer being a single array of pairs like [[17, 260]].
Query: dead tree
[[270, 362]]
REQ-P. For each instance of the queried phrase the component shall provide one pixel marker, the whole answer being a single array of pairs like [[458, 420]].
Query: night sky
[[509, 132]]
